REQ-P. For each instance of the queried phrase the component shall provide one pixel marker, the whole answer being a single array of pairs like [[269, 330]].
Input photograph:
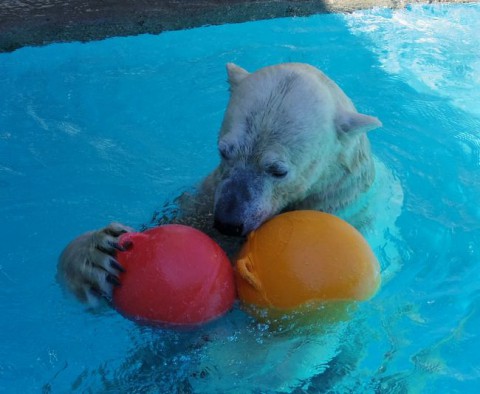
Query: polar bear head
[[290, 138]]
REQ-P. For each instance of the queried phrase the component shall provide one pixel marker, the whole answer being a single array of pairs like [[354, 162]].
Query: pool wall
[[39, 22]]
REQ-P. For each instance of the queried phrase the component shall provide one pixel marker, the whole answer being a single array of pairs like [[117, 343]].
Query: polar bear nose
[[228, 228]]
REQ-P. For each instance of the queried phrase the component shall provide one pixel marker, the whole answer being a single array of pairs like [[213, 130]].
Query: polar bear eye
[[223, 154], [225, 150], [277, 170]]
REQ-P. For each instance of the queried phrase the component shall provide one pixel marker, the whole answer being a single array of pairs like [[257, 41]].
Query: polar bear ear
[[235, 74], [353, 123]]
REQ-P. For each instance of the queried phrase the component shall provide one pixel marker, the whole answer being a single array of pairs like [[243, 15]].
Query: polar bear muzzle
[[241, 202]]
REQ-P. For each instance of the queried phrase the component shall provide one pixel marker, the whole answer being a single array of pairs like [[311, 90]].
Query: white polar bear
[[290, 139]]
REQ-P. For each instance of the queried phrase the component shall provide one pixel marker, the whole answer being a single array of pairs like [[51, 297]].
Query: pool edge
[[41, 22]]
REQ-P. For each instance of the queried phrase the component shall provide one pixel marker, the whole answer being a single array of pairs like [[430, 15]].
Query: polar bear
[[290, 139]]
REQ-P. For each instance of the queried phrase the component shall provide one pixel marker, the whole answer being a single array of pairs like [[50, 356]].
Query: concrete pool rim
[[41, 22]]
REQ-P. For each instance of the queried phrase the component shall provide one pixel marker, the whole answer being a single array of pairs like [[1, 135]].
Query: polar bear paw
[[88, 267]]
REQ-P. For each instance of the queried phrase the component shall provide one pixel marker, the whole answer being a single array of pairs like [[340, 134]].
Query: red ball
[[175, 275]]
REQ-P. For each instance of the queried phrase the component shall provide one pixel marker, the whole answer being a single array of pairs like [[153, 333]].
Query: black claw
[[99, 293], [112, 280], [116, 265], [117, 246], [105, 250], [127, 245]]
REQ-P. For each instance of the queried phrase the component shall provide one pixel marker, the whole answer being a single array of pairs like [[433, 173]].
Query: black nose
[[228, 228]]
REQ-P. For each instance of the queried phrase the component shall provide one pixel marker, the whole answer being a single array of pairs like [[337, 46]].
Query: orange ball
[[301, 257]]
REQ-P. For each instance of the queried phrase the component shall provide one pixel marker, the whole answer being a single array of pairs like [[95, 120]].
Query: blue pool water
[[110, 130]]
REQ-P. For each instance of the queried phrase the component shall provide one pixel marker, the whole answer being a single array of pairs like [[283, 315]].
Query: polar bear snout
[[229, 211], [240, 203], [235, 229]]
